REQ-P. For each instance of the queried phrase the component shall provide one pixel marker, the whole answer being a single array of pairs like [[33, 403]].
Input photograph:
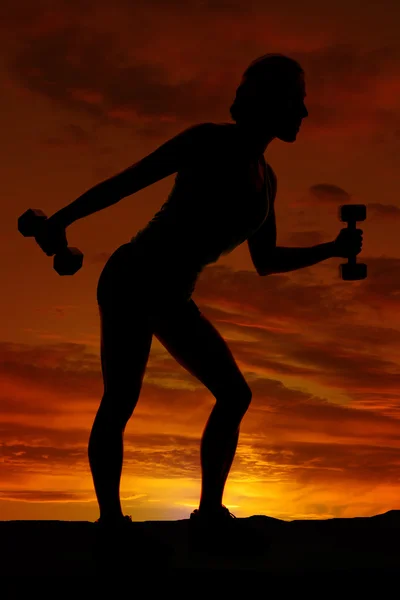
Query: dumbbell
[[67, 260], [351, 213]]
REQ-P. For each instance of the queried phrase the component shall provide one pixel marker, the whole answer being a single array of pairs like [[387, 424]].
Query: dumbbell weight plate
[[353, 272], [30, 221], [352, 212], [69, 262]]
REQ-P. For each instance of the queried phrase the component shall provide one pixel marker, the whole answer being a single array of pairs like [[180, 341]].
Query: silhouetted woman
[[223, 194]]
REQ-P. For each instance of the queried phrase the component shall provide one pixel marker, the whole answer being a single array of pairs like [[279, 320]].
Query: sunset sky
[[89, 88]]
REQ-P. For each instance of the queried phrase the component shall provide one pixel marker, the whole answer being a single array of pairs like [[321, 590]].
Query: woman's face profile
[[283, 110]]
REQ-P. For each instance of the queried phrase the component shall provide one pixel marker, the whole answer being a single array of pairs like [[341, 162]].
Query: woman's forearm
[[98, 197], [289, 259]]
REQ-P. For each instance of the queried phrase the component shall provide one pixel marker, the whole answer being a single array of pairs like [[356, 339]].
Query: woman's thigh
[[198, 346], [125, 342], [125, 329]]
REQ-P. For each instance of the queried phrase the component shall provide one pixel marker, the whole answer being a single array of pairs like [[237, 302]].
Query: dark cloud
[[385, 211], [94, 70], [329, 192], [90, 73]]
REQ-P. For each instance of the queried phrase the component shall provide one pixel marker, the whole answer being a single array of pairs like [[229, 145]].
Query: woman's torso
[[214, 206]]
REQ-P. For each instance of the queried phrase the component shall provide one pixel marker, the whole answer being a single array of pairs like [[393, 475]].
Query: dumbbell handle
[[352, 259], [56, 250]]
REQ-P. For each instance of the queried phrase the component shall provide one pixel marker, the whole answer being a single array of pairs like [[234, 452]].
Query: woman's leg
[[125, 346], [197, 346]]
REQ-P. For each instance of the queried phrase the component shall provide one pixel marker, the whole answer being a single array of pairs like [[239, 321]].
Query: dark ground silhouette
[[306, 549]]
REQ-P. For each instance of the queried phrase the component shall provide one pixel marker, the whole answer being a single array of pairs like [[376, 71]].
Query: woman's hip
[[114, 272], [130, 277]]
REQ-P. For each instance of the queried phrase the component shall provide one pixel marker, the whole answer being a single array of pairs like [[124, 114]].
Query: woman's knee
[[116, 408], [237, 399]]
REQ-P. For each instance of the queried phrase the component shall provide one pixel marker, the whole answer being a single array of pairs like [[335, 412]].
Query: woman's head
[[271, 93]]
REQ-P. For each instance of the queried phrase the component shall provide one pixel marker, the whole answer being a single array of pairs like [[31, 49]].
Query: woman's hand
[[52, 237], [348, 243]]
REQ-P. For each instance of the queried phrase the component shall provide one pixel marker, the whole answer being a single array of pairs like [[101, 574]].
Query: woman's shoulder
[[220, 135], [215, 146]]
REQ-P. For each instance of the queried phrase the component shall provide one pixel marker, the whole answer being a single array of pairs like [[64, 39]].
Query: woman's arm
[[262, 243], [164, 161]]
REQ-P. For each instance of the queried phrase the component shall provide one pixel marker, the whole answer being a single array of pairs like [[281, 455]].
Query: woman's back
[[217, 201]]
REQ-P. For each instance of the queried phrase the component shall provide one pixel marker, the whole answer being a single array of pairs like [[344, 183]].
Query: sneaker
[[122, 523], [219, 515]]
